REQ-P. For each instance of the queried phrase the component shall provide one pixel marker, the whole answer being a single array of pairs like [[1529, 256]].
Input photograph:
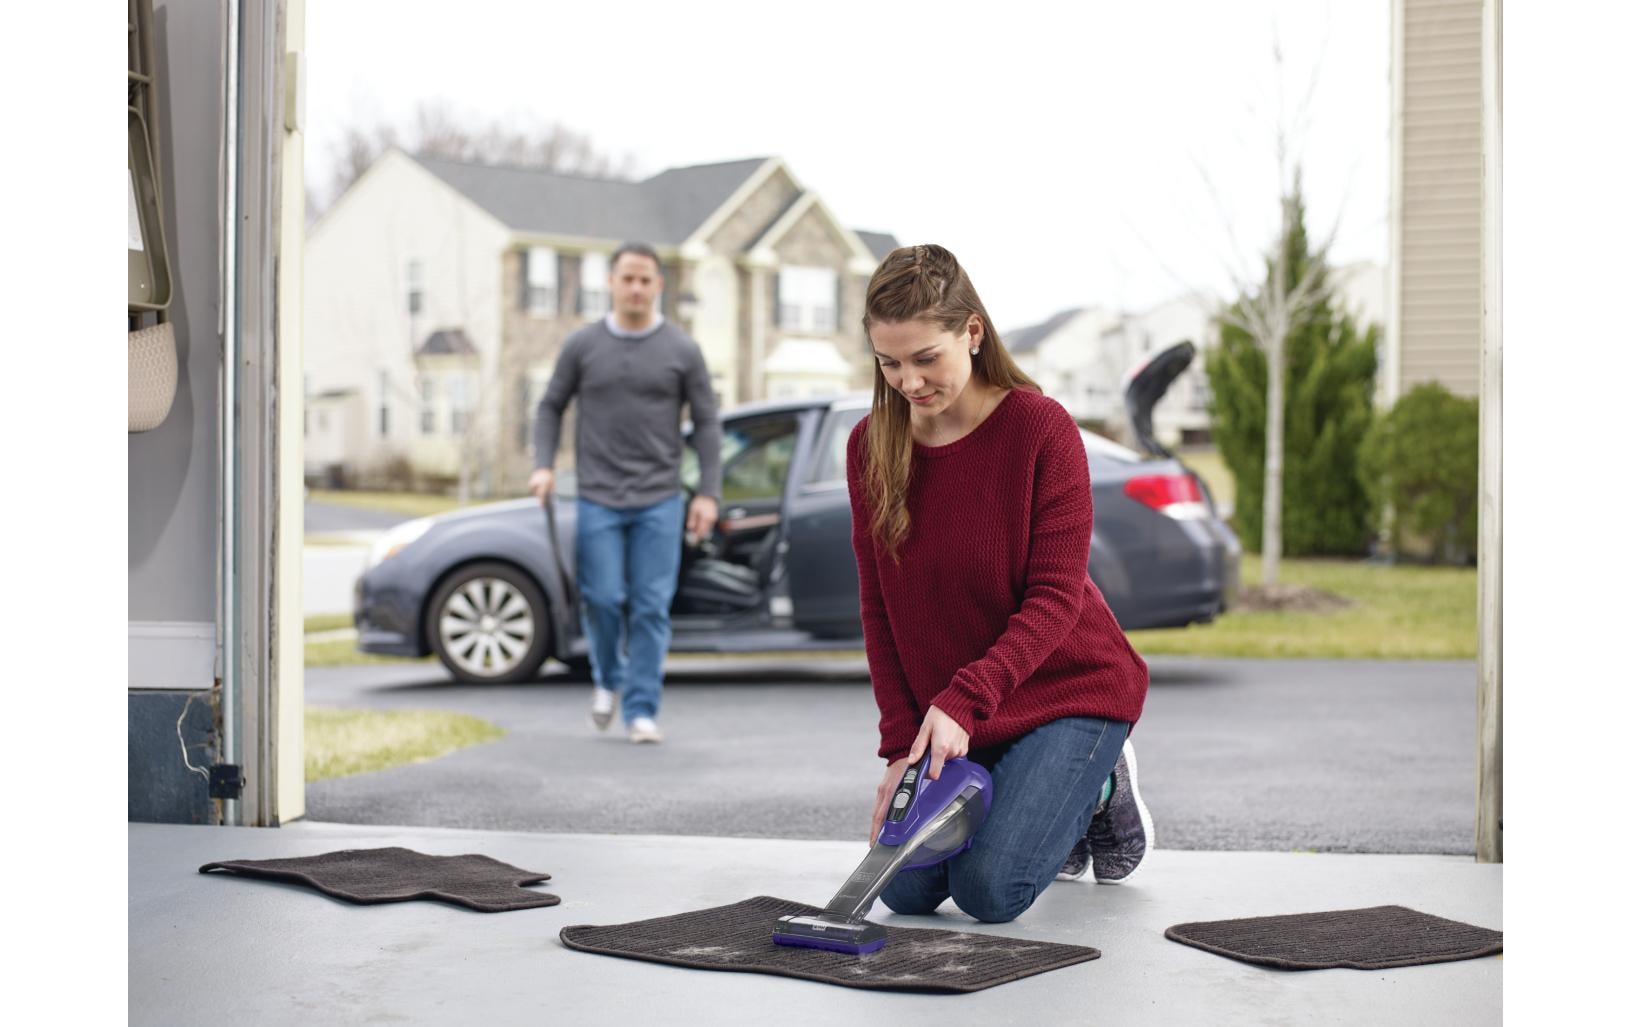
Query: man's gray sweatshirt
[[630, 391]]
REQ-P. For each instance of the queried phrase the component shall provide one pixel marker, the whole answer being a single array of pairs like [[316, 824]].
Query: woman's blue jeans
[[628, 566], [1045, 786]]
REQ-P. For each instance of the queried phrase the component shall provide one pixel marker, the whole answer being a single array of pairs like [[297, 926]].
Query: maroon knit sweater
[[989, 613]]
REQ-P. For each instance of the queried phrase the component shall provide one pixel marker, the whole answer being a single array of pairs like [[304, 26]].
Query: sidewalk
[[208, 949]]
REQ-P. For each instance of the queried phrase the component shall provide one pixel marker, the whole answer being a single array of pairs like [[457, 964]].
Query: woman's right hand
[[886, 789]]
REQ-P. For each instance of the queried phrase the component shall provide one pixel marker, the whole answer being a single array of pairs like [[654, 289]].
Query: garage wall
[[173, 503]]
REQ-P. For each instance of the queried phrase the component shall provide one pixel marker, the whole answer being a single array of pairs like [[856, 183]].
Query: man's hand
[[943, 738], [701, 518], [541, 483], [891, 780]]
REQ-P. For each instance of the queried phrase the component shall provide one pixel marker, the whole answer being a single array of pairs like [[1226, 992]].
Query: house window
[[416, 287], [533, 387], [384, 405], [543, 294], [1199, 395], [459, 390], [427, 405], [594, 289], [807, 299]]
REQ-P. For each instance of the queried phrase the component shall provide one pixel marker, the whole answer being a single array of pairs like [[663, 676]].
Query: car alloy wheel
[[488, 624]]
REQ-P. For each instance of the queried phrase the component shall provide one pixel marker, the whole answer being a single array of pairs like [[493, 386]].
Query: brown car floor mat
[[737, 937], [398, 875], [1374, 938]]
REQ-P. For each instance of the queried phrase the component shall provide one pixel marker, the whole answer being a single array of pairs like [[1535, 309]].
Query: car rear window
[[1099, 446]]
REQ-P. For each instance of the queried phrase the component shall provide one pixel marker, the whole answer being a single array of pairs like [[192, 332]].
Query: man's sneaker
[[644, 729], [602, 708], [1118, 838]]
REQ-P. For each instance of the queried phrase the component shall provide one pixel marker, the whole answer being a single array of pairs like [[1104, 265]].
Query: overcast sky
[[1056, 148]]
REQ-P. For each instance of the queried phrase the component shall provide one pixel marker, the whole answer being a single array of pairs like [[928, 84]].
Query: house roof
[[880, 243], [1030, 337], [448, 341], [663, 209]]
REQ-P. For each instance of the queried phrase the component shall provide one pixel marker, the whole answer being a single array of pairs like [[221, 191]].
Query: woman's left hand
[[943, 738]]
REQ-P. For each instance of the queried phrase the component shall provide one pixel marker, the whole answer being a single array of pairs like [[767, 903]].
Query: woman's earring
[[974, 352]]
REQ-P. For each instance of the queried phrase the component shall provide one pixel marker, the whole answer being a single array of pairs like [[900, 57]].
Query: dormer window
[[807, 299]]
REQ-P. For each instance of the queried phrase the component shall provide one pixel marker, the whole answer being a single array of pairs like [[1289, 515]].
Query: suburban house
[[1084, 356], [438, 295], [1071, 358]]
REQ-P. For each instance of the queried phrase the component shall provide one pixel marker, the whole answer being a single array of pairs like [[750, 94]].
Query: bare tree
[[437, 130], [1272, 308], [1269, 313]]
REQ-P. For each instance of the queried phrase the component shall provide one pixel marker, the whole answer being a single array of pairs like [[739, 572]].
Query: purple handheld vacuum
[[928, 822]]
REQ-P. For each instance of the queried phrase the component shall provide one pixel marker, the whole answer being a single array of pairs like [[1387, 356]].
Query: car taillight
[[1176, 495]]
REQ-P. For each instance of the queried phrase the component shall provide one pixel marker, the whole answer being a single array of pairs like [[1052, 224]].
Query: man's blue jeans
[[1045, 786], [628, 565]]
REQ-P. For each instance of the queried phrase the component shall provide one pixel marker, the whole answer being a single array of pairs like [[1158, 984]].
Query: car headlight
[[397, 539]]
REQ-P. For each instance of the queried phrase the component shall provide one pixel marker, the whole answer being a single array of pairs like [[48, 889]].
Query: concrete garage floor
[[210, 949]]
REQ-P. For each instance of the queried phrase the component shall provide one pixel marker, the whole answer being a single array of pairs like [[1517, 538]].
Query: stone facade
[[813, 242], [757, 213], [529, 346]]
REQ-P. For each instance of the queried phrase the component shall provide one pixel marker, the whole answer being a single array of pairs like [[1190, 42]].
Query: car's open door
[[821, 579]]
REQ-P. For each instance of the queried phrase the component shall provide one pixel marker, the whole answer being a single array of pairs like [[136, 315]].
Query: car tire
[[489, 624]]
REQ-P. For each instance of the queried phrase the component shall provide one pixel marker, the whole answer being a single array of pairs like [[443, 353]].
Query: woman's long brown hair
[[918, 283]]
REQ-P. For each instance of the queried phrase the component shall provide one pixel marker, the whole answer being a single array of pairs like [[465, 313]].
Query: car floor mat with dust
[[738, 937], [1373, 938], [396, 874]]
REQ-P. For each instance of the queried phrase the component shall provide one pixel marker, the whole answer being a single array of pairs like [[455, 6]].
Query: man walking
[[631, 373]]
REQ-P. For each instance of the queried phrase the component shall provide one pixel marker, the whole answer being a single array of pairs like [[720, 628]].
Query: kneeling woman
[[985, 637]]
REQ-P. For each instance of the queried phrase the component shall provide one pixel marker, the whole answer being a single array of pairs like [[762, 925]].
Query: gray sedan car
[[490, 590]]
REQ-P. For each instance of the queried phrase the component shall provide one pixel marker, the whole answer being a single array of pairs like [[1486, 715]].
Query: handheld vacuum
[[928, 822]]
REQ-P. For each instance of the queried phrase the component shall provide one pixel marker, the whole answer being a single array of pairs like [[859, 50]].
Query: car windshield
[[754, 455]]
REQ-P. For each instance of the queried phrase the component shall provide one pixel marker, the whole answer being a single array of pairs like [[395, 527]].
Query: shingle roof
[[1030, 337], [880, 243], [663, 209], [685, 197]]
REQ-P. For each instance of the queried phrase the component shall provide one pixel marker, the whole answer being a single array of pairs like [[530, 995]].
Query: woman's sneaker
[[1076, 863], [1080, 857], [1119, 837]]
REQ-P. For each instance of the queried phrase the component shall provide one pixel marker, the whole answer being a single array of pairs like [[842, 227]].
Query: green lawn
[[342, 652], [1397, 613], [411, 504], [343, 742], [1208, 463]]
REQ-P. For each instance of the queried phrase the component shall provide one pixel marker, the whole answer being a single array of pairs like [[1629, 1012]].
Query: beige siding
[[1438, 230]]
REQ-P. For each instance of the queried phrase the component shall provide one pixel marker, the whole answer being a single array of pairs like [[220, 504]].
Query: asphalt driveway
[[1285, 755]]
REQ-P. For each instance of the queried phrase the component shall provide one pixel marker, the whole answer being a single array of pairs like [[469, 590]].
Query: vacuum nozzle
[[834, 935]]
